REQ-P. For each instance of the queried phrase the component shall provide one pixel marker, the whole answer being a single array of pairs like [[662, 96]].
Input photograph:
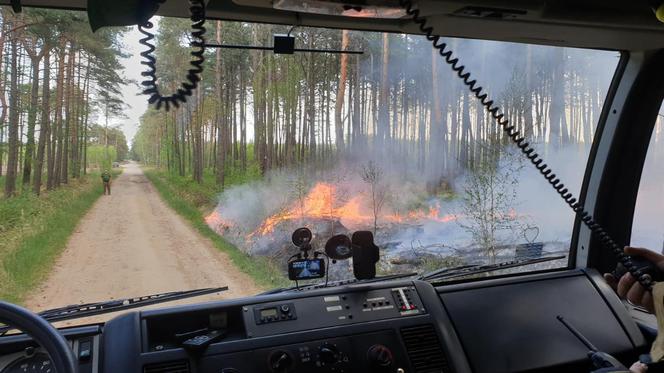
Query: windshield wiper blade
[[477, 269], [76, 311], [445, 270], [322, 285]]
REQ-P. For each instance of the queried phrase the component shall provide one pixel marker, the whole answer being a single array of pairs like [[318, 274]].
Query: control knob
[[280, 361], [328, 354], [380, 357]]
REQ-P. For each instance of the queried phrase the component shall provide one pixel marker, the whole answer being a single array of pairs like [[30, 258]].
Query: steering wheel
[[43, 333]]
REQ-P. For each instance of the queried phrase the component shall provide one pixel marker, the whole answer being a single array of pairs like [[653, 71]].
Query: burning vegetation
[[322, 204]]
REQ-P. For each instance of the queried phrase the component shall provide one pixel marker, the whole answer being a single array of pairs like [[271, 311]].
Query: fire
[[322, 203], [215, 220], [433, 214], [318, 204]]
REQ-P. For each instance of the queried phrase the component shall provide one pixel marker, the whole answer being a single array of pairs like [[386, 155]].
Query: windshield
[[390, 141], [109, 198]]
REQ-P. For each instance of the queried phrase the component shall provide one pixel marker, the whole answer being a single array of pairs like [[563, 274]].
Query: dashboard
[[498, 325]]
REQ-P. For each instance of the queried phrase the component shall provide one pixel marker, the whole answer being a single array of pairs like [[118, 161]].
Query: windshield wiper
[[77, 311], [331, 284], [445, 270], [468, 270]]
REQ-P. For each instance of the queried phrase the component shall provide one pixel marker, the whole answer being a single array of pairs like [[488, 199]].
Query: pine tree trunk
[[32, 119], [3, 103], [557, 105], [12, 158], [383, 109], [341, 93], [55, 162], [221, 138]]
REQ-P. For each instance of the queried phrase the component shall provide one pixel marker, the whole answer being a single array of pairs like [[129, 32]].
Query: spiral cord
[[151, 88], [524, 146]]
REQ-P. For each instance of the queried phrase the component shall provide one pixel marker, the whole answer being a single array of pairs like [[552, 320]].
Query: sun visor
[[103, 13]]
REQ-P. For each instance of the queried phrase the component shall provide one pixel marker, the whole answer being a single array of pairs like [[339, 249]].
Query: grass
[[193, 201], [35, 230]]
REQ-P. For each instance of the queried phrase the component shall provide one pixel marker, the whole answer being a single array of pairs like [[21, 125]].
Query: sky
[[131, 91]]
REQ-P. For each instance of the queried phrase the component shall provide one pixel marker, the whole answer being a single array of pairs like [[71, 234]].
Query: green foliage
[[100, 157], [35, 230], [433, 262], [100, 135], [489, 200], [189, 200]]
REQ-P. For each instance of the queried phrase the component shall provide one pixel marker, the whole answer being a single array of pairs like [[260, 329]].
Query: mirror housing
[[365, 255], [339, 247]]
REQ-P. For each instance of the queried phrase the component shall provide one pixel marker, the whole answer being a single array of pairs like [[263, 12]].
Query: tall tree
[[13, 143], [341, 93]]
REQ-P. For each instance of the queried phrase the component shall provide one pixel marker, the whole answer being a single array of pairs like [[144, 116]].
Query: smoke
[[648, 226], [412, 221], [425, 209]]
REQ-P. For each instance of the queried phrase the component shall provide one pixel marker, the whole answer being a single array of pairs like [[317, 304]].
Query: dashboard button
[[84, 351]]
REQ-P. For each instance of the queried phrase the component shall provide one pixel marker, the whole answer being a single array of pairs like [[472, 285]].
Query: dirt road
[[130, 244]]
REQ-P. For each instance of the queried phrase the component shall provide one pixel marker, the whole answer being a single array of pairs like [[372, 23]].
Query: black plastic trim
[[616, 196], [618, 309], [599, 131]]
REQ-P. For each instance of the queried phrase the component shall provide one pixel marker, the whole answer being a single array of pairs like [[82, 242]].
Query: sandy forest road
[[131, 244]]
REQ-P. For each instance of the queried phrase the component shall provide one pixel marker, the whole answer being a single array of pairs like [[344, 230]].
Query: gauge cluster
[[19, 354], [30, 360]]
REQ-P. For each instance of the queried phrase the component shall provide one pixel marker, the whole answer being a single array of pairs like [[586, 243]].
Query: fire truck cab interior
[[509, 323]]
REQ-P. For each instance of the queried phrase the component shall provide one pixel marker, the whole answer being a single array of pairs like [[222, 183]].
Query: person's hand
[[638, 367], [628, 287]]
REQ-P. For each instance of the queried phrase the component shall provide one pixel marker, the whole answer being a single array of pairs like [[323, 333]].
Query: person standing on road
[[106, 178]]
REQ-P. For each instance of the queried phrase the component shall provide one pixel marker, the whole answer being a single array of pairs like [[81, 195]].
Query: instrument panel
[[28, 361], [390, 327], [18, 354]]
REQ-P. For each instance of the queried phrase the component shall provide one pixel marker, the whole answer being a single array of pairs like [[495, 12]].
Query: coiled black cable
[[520, 141], [197, 10]]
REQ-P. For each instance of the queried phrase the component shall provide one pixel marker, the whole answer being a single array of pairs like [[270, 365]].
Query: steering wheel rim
[[43, 333]]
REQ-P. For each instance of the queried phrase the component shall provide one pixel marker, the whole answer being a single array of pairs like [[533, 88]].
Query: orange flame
[[322, 203], [432, 214], [318, 204], [215, 220]]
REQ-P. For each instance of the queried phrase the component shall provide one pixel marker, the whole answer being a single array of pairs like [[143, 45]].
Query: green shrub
[[35, 230]]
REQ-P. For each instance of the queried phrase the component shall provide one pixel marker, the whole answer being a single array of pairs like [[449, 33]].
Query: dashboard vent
[[181, 366], [423, 348]]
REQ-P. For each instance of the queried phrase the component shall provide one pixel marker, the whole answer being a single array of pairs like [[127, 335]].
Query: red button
[[412, 306]]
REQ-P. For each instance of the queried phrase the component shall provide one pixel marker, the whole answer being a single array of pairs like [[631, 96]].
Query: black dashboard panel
[[18, 353], [494, 325], [381, 327], [342, 308], [511, 326]]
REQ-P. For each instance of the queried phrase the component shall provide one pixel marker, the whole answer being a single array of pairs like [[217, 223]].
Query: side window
[[648, 224]]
